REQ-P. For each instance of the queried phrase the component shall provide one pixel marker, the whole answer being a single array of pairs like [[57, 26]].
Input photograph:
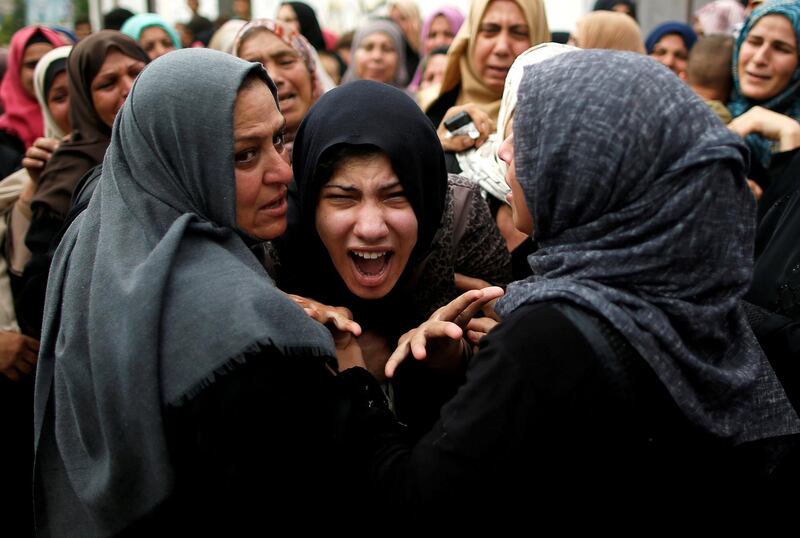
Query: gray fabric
[[642, 215], [152, 294]]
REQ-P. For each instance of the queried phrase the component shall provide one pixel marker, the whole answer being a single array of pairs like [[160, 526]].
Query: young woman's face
[[287, 69], [156, 42], [367, 225], [502, 36], [287, 15], [376, 58], [58, 101], [767, 58], [260, 163], [439, 34], [33, 53], [112, 83], [672, 52]]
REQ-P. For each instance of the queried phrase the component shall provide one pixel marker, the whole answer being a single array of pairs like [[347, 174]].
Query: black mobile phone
[[456, 122]]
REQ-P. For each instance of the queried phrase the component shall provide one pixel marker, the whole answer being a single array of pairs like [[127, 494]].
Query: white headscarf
[[482, 165], [51, 129]]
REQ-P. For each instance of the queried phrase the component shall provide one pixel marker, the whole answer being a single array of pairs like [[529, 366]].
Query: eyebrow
[[247, 137]]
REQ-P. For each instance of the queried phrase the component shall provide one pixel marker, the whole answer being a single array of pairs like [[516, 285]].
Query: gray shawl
[[643, 216], [152, 293]]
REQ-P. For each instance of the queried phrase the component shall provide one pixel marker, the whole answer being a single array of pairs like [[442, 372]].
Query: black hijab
[[309, 25], [653, 233], [608, 5], [362, 113]]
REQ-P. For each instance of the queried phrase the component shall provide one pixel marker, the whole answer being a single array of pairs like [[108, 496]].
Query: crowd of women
[[271, 281]]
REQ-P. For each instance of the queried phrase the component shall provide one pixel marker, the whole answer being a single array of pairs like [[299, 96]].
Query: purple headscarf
[[454, 17]]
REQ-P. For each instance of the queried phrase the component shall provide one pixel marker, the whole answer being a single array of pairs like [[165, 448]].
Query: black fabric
[[309, 25], [12, 150], [16, 450], [776, 274], [256, 448], [608, 5], [557, 411]]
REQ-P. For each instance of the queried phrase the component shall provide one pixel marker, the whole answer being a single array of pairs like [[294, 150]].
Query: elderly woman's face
[[156, 42], [376, 58], [767, 58], [260, 163], [672, 52], [112, 83], [523, 221], [367, 225], [502, 36], [287, 69]]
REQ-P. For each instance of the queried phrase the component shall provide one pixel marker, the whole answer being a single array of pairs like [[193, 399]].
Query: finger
[[431, 331], [450, 311], [483, 325], [12, 374], [47, 144], [23, 367], [487, 294], [31, 343], [474, 337], [396, 358], [28, 357], [346, 325]]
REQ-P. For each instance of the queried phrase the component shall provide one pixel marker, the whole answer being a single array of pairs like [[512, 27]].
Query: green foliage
[[12, 22]]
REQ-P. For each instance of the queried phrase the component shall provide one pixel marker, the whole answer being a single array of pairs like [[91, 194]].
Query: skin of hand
[[18, 355], [758, 192], [482, 121], [38, 155], [439, 338], [339, 321], [466, 283], [477, 328], [770, 125]]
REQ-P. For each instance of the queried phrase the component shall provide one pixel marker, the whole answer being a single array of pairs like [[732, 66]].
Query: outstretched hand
[[439, 340]]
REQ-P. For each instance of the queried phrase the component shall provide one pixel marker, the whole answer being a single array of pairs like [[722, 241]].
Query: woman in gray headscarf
[[378, 53], [174, 378], [625, 359]]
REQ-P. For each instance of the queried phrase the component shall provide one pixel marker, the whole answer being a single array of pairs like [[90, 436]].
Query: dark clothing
[[254, 447], [557, 409], [16, 449], [436, 113], [12, 150]]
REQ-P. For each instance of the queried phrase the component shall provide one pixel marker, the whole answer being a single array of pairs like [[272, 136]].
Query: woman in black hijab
[[625, 361], [623, 6], [385, 246], [302, 18]]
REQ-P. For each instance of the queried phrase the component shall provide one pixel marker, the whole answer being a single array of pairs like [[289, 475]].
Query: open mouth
[[277, 205], [371, 266]]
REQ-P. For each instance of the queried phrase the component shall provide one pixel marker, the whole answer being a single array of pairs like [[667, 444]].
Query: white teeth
[[369, 255]]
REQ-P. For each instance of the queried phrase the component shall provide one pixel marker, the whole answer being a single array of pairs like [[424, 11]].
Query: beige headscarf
[[461, 68], [609, 30]]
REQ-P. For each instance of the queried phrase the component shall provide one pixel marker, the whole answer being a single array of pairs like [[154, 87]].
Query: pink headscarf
[[23, 116], [454, 17], [720, 17]]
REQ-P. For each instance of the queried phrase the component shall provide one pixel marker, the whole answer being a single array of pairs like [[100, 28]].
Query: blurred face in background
[[434, 71], [111, 85], [156, 42], [376, 58], [58, 101], [439, 35], [672, 52], [33, 53], [287, 15]]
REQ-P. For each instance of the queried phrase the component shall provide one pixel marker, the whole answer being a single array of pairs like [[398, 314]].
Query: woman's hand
[[482, 121], [18, 355], [771, 125], [339, 321], [439, 338], [38, 156]]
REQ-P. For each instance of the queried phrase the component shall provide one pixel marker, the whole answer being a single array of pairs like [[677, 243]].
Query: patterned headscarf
[[290, 37], [787, 102], [652, 233]]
